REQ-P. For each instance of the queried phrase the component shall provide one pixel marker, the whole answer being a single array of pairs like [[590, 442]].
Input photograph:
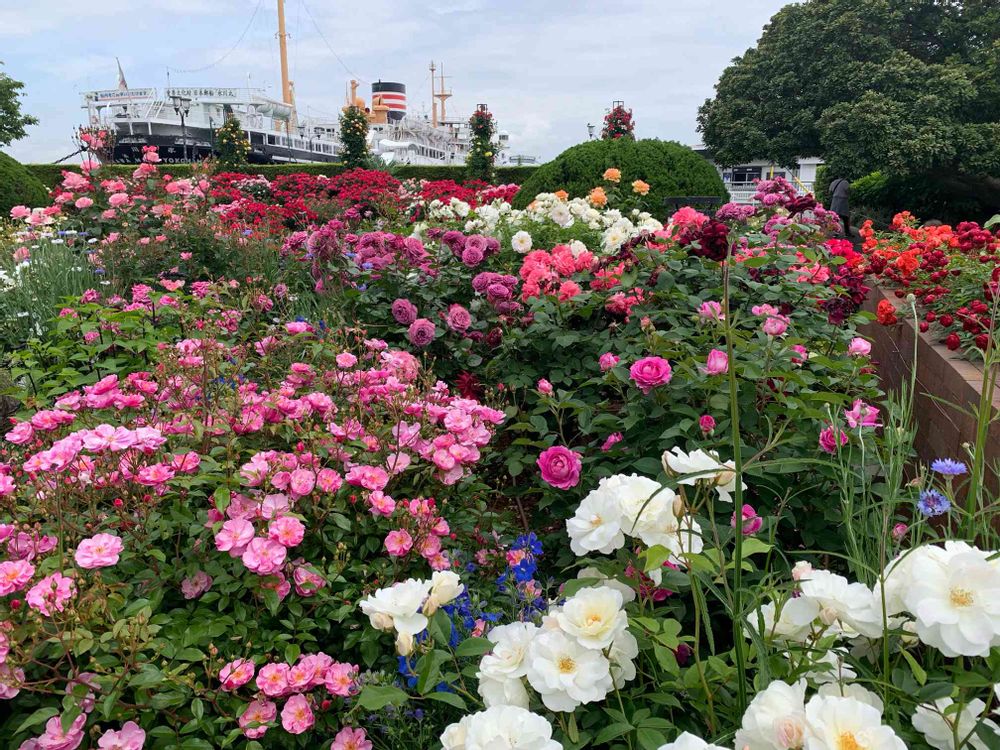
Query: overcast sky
[[545, 67]]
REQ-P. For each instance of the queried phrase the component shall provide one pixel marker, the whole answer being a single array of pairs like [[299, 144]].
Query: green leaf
[[440, 627], [38, 717], [935, 691], [222, 498], [197, 709], [611, 731], [374, 697], [918, 672], [473, 647], [147, 677], [752, 545], [452, 699]]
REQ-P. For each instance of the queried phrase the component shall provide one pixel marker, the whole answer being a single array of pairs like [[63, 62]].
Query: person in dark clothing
[[840, 190]]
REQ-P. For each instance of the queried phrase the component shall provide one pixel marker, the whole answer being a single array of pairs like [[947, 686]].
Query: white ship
[[181, 121]]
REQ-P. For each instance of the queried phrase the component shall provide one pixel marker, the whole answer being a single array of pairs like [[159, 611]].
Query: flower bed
[[415, 468]]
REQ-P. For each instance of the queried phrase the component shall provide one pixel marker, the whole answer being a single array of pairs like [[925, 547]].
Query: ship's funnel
[[393, 96]]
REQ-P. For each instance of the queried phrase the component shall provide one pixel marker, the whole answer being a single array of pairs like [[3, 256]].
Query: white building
[[740, 180]]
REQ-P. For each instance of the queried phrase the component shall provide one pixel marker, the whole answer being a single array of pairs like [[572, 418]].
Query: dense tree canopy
[[12, 121], [906, 86]]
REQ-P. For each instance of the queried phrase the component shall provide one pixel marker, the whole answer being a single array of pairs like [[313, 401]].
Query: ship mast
[[286, 84]]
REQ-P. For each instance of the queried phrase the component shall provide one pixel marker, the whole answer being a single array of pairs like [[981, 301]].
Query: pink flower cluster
[[499, 290], [293, 682], [421, 529], [548, 273]]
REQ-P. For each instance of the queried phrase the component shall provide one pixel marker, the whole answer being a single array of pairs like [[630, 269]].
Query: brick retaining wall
[[941, 428]]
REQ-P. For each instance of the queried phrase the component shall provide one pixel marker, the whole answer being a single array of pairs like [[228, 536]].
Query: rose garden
[[357, 462]]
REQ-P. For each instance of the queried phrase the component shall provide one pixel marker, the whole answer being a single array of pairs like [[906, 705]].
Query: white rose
[[597, 524], [401, 602], [521, 242], [445, 586], [594, 616], [566, 674], [511, 643], [505, 692], [836, 723], [775, 718], [502, 727]]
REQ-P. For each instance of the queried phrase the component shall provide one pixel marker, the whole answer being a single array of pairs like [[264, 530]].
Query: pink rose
[[117, 200], [256, 717], [613, 439], [264, 556], [751, 521], [717, 363], [421, 332], [830, 439], [130, 737], [234, 536], [650, 372], [236, 674], [100, 551], [545, 387], [346, 360], [84, 202], [775, 325], [272, 679], [707, 424], [859, 347], [286, 531], [404, 311], [296, 716], [194, 586], [351, 739], [14, 575], [560, 467], [339, 679], [607, 361], [710, 310], [862, 415], [20, 212], [302, 481], [51, 594], [458, 319], [398, 542]]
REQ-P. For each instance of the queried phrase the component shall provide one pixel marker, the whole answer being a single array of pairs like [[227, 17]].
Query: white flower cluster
[[579, 653], [405, 606], [500, 728], [779, 718], [636, 506], [948, 596]]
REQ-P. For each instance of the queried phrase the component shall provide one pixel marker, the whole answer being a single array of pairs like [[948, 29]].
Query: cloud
[[545, 67]]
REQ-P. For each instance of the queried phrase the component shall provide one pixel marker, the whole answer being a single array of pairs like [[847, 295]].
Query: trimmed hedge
[[51, 174], [670, 168], [18, 186]]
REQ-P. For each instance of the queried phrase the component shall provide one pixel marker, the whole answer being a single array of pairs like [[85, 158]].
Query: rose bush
[[350, 463]]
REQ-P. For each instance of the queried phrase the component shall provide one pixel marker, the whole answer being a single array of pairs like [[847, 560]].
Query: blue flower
[[949, 467], [932, 503]]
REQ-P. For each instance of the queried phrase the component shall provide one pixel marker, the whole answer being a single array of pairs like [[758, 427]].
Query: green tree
[[12, 122], [231, 143], [903, 86], [354, 137]]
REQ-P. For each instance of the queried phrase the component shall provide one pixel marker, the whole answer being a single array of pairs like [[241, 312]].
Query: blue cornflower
[[932, 503], [948, 466]]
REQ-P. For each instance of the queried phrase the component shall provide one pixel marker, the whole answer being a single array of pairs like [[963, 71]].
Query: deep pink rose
[[422, 332], [650, 372], [560, 467], [404, 311]]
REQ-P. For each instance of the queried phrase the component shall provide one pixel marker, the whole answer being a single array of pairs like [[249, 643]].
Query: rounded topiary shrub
[[18, 187], [669, 168]]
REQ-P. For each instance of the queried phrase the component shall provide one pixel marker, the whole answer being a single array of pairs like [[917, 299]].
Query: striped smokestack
[[393, 96]]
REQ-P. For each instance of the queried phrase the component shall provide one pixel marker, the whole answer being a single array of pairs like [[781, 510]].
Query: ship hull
[[175, 146]]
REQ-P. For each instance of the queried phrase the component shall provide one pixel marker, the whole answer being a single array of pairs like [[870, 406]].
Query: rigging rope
[[228, 53], [328, 46]]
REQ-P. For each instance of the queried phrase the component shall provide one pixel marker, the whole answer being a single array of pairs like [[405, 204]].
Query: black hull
[[172, 150]]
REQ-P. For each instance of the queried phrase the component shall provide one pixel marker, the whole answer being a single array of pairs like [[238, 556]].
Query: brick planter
[[941, 428]]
